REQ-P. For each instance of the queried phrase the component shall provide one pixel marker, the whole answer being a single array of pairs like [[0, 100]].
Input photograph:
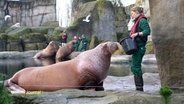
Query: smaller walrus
[[49, 51], [64, 51], [86, 71]]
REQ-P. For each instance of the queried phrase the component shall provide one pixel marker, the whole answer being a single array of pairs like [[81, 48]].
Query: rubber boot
[[139, 83]]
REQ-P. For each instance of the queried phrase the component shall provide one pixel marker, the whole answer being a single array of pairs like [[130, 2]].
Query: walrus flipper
[[100, 87], [89, 85], [93, 85], [13, 87], [6, 84]]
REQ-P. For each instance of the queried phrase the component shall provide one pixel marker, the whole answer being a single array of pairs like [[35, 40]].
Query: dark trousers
[[136, 68]]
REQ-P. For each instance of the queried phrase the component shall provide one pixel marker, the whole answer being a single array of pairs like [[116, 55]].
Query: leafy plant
[[5, 97], [166, 92]]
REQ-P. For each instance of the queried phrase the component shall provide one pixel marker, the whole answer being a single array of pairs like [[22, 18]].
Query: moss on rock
[[34, 38], [94, 42], [57, 31], [22, 100], [149, 48], [41, 30], [18, 30], [3, 37], [51, 24]]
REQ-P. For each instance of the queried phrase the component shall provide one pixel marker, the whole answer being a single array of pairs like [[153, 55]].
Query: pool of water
[[10, 66]]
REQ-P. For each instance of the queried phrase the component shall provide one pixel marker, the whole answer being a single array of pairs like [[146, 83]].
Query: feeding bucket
[[129, 45]]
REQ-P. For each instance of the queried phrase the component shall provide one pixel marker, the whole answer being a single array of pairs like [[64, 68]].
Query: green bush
[[166, 92], [5, 97]]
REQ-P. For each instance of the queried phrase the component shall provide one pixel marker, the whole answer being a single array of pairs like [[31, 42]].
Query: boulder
[[167, 22]]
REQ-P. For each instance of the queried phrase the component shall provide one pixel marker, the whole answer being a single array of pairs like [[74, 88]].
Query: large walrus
[[49, 51], [87, 70], [64, 51]]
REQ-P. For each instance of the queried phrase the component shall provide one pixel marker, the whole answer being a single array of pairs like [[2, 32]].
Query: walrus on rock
[[49, 51], [87, 70], [64, 51]]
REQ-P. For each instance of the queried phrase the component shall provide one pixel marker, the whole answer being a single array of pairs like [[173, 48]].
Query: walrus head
[[110, 47], [52, 46], [51, 43], [72, 43]]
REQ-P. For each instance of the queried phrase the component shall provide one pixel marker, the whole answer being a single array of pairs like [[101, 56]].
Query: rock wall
[[121, 21], [106, 20], [103, 25], [167, 21], [30, 12]]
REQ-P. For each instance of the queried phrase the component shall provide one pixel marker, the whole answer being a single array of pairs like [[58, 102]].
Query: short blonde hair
[[137, 8]]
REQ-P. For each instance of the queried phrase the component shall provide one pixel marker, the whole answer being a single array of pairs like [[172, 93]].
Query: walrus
[[87, 70], [49, 51], [45, 61], [64, 51]]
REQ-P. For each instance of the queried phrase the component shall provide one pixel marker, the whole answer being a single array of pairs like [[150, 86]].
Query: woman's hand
[[134, 35]]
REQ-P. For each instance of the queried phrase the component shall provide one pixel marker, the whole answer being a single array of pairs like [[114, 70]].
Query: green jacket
[[76, 45], [144, 27], [84, 41]]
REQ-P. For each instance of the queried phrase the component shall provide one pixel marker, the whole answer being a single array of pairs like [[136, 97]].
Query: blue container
[[129, 45]]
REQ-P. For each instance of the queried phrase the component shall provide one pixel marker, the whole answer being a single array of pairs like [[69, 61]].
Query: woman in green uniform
[[139, 33]]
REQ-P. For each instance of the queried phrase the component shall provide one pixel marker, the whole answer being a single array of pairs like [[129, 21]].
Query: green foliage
[[2, 76], [5, 97], [101, 2], [18, 30], [166, 92], [3, 37], [22, 100], [41, 30], [35, 37], [57, 31], [53, 37], [13, 37]]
